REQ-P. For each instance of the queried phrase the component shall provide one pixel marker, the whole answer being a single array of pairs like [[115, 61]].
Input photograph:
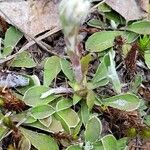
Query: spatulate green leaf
[[109, 142], [51, 69], [96, 23], [39, 140], [101, 41], [85, 63], [127, 102], [140, 27], [90, 99], [101, 72], [103, 7], [32, 96], [93, 130]]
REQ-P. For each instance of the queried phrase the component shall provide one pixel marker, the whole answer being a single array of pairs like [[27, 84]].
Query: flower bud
[[72, 14]]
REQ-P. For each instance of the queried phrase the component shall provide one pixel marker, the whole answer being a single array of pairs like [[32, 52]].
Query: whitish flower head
[[72, 13]]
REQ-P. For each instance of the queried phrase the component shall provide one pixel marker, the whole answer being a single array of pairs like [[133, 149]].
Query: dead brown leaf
[[32, 16], [11, 102], [130, 9]]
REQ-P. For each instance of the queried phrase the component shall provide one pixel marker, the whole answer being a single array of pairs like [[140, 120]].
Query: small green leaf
[[41, 112], [127, 102], [67, 69], [109, 142], [63, 104], [117, 18], [90, 99], [85, 63], [101, 72], [96, 23], [101, 41], [32, 96], [74, 147], [93, 130], [12, 37], [51, 69], [24, 60], [140, 27], [39, 140], [129, 37]]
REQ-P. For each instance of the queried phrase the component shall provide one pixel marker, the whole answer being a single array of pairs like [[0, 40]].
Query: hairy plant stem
[[76, 64]]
